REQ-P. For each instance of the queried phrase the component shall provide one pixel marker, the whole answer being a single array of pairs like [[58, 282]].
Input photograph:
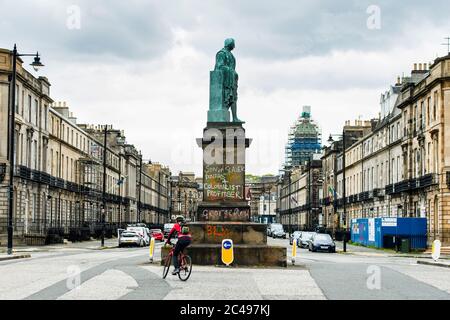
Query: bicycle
[[185, 263]]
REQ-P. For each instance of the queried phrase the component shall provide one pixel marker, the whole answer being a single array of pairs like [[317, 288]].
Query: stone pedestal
[[224, 212]]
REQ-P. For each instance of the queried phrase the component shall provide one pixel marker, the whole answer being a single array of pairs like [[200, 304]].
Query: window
[[35, 155], [36, 110], [16, 103], [381, 174], [435, 105], [56, 164], [422, 120], [29, 108], [23, 103], [415, 118], [45, 116]]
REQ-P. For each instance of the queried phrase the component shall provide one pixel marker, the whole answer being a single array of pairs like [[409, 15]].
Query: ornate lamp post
[[12, 112]]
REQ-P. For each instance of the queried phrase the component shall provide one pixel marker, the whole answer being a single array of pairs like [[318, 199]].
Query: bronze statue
[[224, 85]]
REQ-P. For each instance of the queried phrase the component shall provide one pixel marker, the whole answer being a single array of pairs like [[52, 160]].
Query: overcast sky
[[143, 66]]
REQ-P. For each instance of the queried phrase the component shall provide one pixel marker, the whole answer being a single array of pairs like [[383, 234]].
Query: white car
[[141, 231], [130, 238]]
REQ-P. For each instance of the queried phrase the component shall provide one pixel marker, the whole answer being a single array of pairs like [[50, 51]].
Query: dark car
[[294, 235], [305, 238], [322, 242]]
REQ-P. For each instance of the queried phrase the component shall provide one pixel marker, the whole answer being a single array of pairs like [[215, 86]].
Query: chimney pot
[[415, 67]]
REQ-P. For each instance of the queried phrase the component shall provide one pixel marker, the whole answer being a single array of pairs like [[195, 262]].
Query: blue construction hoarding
[[386, 232]]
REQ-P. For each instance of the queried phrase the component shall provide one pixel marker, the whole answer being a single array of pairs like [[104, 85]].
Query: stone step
[[240, 232], [244, 255]]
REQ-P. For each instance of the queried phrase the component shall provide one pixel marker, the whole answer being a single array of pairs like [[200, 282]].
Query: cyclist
[[184, 240]]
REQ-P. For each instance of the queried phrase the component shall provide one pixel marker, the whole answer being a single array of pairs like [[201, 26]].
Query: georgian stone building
[[401, 168], [186, 194], [262, 193], [299, 194], [58, 174]]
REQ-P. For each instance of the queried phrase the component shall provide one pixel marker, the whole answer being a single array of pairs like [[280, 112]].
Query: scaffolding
[[304, 140]]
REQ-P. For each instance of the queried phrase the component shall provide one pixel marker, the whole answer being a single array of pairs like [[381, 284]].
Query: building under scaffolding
[[304, 140]]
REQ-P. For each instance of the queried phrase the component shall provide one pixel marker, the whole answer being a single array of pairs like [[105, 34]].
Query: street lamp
[[36, 64]]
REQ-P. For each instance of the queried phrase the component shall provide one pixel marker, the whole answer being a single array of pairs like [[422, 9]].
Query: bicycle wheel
[[185, 269], [167, 266]]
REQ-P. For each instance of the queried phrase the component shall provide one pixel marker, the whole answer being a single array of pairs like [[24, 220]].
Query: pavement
[[83, 271], [438, 263], [14, 256]]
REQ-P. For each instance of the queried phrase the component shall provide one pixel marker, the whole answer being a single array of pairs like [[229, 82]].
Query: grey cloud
[[270, 29]]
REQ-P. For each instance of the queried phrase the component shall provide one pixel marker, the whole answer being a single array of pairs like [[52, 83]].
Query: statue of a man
[[226, 62]]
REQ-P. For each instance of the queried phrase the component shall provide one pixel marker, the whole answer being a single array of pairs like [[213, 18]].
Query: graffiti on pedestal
[[236, 214], [224, 182], [217, 231]]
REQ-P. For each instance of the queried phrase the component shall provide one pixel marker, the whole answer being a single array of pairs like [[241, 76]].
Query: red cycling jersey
[[177, 228]]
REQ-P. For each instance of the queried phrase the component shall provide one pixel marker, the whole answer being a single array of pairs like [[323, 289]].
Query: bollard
[[227, 252], [151, 248], [436, 250], [294, 250]]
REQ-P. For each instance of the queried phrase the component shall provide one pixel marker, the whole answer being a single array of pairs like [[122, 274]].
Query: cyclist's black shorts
[[181, 245]]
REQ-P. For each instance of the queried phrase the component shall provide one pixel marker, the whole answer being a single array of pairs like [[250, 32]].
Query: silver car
[[305, 238], [130, 238]]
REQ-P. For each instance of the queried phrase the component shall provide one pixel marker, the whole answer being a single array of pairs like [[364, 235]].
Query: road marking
[[110, 285]]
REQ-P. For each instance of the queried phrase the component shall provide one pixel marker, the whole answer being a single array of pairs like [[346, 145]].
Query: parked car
[[278, 232], [167, 228], [294, 235], [144, 232], [130, 238], [305, 238], [322, 242], [272, 227], [157, 234]]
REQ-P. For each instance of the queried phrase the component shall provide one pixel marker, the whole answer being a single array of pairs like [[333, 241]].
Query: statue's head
[[229, 43]]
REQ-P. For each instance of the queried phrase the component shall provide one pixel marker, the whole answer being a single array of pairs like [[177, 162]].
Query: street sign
[[436, 250], [152, 248], [294, 250], [227, 252]]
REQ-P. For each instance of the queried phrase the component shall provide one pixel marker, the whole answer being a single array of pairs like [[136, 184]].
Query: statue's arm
[[220, 61]]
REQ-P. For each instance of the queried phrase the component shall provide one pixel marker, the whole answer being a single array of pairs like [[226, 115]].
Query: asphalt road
[[83, 272]]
